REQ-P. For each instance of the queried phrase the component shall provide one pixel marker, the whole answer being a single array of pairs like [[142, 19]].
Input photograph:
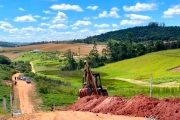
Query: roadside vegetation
[[6, 71]]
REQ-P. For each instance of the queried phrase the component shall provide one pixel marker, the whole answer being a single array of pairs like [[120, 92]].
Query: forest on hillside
[[153, 31]]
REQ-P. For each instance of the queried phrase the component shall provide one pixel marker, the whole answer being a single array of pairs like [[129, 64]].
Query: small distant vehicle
[[22, 78], [17, 112], [25, 78], [28, 80]]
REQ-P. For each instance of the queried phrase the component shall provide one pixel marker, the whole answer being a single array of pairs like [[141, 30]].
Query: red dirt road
[[72, 115], [23, 91]]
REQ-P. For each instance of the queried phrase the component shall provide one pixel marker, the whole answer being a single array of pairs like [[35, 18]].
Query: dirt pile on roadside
[[138, 106]]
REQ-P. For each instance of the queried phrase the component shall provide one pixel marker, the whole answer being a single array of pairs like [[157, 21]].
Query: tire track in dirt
[[138, 82]]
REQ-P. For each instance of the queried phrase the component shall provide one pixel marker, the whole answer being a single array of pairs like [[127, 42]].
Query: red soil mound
[[138, 106]]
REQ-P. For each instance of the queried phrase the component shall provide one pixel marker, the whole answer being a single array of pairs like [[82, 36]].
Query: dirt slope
[[138, 106]]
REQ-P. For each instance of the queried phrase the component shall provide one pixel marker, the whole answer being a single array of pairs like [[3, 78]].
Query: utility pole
[[79, 51], [11, 103], [151, 85], [4, 104]]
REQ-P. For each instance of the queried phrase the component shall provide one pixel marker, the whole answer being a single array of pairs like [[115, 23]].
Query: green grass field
[[159, 64]]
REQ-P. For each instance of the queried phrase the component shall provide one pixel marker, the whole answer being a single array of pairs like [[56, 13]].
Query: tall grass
[[128, 90]]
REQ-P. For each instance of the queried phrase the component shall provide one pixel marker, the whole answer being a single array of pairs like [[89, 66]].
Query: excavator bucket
[[84, 92]]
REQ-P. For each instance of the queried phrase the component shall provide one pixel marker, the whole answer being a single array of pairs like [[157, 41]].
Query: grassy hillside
[[159, 64]]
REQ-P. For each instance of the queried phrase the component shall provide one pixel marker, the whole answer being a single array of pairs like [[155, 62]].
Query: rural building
[[36, 51]]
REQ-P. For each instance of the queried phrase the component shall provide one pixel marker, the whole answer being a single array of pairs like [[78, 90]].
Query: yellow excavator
[[91, 83]]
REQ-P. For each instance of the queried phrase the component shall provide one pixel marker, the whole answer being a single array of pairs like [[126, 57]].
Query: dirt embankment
[[138, 106]]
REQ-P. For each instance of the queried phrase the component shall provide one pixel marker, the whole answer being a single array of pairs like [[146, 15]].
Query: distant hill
[[6, 44], [153, 31]]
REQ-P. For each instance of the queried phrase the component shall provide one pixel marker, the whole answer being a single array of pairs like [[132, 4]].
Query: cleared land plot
[[84, 48], [11, 55]]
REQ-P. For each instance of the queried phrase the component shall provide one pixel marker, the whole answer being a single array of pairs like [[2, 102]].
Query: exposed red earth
[[138, 106]]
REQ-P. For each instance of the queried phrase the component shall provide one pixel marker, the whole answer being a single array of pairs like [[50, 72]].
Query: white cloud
[[82, 23], [115, 25], [101, 25], [138, 17], [74, 28], [135, 19], [86, 18], [26, 18], [5, 25], [92, 7], [60, 17], [12, 30], [58, 26], [30, 29], [66, 7], [47, 12], [141, 7], [21, 9], [44, 24], [103, 14], [36, 34], [174, 11], [113, 13], [37, 16], [45, 18], [115, 9], [100, 31], [130, 22]]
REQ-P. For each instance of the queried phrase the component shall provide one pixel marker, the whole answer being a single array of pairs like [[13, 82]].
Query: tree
[[4, 60], [72, 65], [129, 38], [153, 24], [140, 50], [159, 45]]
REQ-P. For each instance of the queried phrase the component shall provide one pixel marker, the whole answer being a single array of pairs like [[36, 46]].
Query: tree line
[[119, 50]]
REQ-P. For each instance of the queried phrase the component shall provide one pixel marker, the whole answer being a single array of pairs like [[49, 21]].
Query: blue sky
[[49, 20]]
